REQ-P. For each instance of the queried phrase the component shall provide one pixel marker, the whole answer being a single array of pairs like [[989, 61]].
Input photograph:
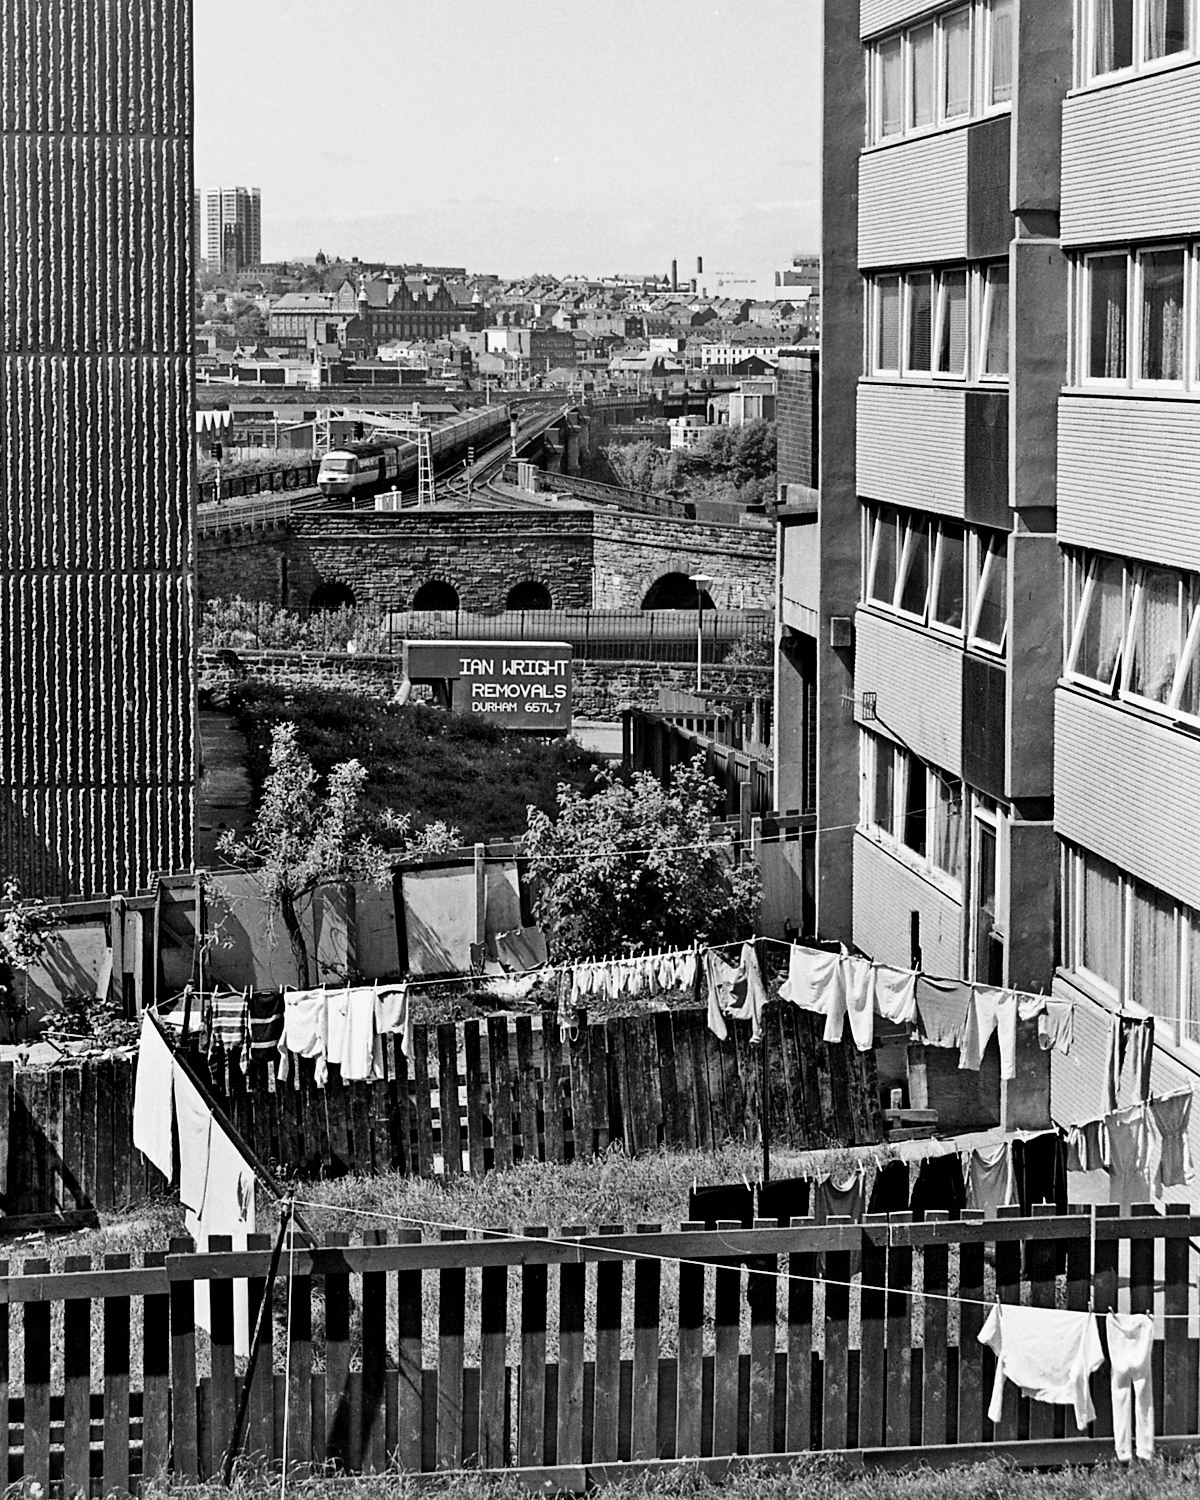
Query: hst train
[[365, 468]]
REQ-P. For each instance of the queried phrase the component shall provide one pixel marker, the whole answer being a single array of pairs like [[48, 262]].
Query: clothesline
[[680, 1260]]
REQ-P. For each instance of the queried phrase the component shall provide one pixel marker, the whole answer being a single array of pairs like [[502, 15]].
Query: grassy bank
[[434, 765]]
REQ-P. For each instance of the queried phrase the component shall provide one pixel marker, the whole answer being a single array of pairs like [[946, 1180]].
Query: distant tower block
[[674, 275], [699, 265], [97, 676]]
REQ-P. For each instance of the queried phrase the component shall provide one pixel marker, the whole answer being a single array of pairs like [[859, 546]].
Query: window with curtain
[[952, 323], [915, 833], [1108, 301], [920, 323], [922, 61], [1156, 634], [887, 330], [1100, 630], [884, 786], [946, 852], [956, 49], [1154, 952], [914, 570], [1166, 28], [891, 87], [1161, 273], [881, 585], [1185, 698], [994, 341], [1101, 929], [1000, 51], [991, 599], [948, 589], [1112, 35]]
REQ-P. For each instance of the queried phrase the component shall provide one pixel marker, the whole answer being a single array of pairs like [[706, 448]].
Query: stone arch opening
[[529, 594], [331, 596], [676, 591], [436, 594]]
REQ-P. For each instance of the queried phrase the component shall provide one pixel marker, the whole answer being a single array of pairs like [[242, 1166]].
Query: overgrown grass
[[810, 1479], [434, 765]]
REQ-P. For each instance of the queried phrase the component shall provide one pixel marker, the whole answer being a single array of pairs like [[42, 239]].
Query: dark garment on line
[[785, 1200], [940, 1185], [707, 1205], [889, 1195], [266, 1021], [1040, 1169]]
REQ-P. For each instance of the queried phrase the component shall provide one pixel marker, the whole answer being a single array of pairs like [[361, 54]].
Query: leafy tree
[[642, 466], [304, 837], [249, 325], [635, 867], [26, 924]]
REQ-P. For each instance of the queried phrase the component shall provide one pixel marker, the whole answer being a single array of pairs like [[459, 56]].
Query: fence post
[[480, 893], [744, 805]]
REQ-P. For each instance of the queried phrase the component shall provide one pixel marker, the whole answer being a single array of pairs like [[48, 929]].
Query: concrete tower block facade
[[97, 757]]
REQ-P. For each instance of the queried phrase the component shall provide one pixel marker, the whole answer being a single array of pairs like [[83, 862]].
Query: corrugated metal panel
[[912, 201], [1125, 788], [886, 893], [875, 16], [911, 446], [96, 551], [1127, 477], [917, 679], [1129, 159]]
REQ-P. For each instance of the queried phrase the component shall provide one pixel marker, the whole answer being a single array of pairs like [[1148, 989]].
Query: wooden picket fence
[[479, 1095], [569, 1353]]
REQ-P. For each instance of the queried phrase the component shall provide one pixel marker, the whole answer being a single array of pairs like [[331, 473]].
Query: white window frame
[[1104, 382], [906, 370], [935, 577], [1141, 61], [1135, 294], [1189, 653], [907, 765], [911, 524], [987, 19], [1133, 620], [984, 552], [875, 363], [986, 288], [943, 64], [980, 809], [941, 307], [1073, 672], [910, 78]]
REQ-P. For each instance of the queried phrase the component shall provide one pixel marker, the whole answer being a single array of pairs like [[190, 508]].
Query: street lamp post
[[700, 580]]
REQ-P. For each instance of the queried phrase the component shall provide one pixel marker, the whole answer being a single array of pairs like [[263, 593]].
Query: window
[[1161, 276], [1112, 35], [890, 73], [919, 341], [887, 324], [949, 559], [952, 323], [1155, 634], [993, 340], [956, 75], [1099, 631], [922, 54], [913, 578], [1107, 278], [1000, 52], [913, 807], [1185, 694], [1127, 34], [989, 614], [1136, 944], [1100, 921], [882, 556]]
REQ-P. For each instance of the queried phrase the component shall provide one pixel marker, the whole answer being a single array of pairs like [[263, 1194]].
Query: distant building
[[379, 310], [233, 228]]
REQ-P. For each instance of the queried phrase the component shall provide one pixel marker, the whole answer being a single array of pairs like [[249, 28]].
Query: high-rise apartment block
[[233, 228], [97, 758], [990, 610]]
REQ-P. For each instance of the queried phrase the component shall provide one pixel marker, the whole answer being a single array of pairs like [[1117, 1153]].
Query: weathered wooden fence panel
[[477, 1095], [566, 1349]]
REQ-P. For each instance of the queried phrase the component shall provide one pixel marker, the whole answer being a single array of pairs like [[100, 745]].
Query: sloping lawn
[[420, 760]]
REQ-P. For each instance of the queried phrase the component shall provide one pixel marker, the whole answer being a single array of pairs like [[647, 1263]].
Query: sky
[[517, 136]]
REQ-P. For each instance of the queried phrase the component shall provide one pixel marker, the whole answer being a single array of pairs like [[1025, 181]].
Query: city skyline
[[528, 126]]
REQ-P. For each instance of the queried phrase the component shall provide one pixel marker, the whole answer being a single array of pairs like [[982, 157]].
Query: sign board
[[512, 684]]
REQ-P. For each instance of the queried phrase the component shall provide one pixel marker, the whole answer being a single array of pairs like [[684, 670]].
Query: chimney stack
[[674, 275], [699, 265]]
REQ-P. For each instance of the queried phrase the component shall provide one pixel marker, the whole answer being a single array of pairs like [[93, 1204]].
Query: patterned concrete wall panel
[[1129, 159], [1125, 788], [1107, 449], [917, 679], [96, 550], [105, 67], [886, 893], [875, 16], [911, 447], [913, 201]]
